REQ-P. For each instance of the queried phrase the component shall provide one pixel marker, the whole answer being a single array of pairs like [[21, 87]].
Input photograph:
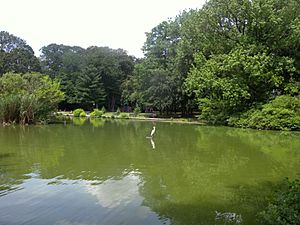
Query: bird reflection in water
[[151, 137], [152, 143]]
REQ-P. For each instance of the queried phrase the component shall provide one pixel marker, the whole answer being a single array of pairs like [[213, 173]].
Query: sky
[[84, 23]]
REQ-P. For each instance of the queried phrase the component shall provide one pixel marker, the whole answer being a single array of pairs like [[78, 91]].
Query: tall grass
[[28, 98]]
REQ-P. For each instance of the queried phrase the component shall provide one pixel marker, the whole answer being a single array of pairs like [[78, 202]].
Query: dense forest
[[234, 62]]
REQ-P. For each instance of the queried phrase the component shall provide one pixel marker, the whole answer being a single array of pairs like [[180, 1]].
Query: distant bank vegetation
[[28, 98], [234, 62]]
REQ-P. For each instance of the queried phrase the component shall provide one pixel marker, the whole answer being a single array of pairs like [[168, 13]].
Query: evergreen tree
[[90, 88]]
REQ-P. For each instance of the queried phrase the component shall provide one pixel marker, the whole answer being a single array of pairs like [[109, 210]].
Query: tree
[[161, 42], [161, 63], [16, 56], [114, 67], [161, 91], [22, 61], [9, 42], [246, 55], [52, 57], [91, 92], [71, 65]]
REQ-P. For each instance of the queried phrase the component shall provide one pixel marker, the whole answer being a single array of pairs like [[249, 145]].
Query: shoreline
[[110, 115]]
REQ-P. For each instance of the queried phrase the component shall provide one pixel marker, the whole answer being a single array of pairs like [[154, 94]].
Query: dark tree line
[[90, 78]]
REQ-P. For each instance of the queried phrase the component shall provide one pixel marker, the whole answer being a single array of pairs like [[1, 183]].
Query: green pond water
[[109, 173]]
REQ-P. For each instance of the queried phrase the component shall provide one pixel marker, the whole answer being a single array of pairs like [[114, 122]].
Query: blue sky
[[112, 23]]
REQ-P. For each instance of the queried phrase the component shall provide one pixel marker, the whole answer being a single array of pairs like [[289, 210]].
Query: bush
[[77, 112], [83, 114], [136, 111], [97, 113], [212, 111], [124, 116], [28, 98], [118, 111], [284, 209], [103, 109], [282, 113]]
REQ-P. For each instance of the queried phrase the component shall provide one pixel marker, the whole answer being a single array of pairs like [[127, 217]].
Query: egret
[[153, 131]]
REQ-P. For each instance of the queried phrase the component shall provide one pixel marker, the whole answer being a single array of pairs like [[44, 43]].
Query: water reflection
[[228, 218], [104, 173], [79, 121], [152, 143], [96, 122], [114, 193]]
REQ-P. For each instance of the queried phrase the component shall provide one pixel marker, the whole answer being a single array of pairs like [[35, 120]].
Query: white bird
[[153, 131]]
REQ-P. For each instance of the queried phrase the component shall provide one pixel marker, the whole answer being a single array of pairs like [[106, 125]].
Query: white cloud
[[115, 193], [113, 23]]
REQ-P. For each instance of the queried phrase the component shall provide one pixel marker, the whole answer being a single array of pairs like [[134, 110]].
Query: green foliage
[[153, 88], [137, 111], [55, 58], [77, 112], [225, 59], [284, 209], [83, 114], [118, 111], [79, 121], [90, 88], [90, 77], [28, 98], [156, 82], [96, 122], [16, 56], [124, 116], [8, 42], [242, 58], [282, 113], [97, 113], [103, 109]]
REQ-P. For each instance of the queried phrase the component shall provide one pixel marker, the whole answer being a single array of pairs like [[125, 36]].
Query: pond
[[107, 173]]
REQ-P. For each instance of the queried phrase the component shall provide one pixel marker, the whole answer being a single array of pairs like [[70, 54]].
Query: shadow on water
[[241, 207], [5, 155]]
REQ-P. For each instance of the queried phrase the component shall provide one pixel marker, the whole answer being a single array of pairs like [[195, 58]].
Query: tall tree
[[16, 56], [248, 55], [9, 42], [114, 66], [52, 57], [91, 92]]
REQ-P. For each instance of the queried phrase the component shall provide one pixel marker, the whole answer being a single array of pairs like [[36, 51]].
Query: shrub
[[103, 109], [124, 116], [77, 112], [83, 114], [282, 113], [96, 113], [118, 111], [284, 209], [213, 111], [28, 98], [137, 111]]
